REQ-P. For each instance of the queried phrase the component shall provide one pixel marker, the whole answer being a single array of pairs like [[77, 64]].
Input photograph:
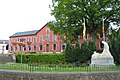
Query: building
[[40, 41], [4, 46], [43, 40]]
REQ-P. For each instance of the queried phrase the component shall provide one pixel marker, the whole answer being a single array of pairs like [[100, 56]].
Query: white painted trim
[[53, 47]]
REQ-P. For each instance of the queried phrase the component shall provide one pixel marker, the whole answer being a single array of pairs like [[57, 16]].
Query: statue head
[[106, 47]]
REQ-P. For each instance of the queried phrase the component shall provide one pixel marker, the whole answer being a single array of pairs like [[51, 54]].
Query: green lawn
[[54, 68]]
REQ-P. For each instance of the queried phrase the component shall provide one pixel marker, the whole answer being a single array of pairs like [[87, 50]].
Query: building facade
[[4, 44], [41, 41]]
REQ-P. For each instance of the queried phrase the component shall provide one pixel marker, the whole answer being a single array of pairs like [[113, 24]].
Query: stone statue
[[102, 59]]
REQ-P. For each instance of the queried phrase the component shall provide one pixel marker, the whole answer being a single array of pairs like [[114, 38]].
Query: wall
[[13, 75], [4, 58]]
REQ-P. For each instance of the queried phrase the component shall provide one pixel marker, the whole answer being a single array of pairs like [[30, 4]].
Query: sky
[[23, 15]]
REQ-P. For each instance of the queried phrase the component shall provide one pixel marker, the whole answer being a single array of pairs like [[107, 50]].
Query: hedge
[[41, 58]]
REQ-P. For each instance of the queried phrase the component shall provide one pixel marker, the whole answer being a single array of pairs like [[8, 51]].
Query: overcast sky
[[23, 15]]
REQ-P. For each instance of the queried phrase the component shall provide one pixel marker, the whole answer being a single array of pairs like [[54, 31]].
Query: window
[[30, 39], [25, 40], [89, 36], [40, 46], [20, 48], [18, 40], [34, 47], [24, 48], [41, 38], [54, 37], [34, 39], [15, 48], [15, 40], [54, 46], [79, 37], [48, 37], [63, 46], [47, 47], [29, 47], [48, 34], [48, 31]]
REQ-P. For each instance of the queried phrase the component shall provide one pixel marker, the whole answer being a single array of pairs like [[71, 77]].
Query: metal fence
[[55, 68]]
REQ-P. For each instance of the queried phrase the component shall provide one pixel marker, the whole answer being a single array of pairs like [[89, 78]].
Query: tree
[[69, 16], [114, 43], [83, 54]]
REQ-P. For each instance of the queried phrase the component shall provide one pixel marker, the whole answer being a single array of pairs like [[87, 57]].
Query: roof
[[26, 33]]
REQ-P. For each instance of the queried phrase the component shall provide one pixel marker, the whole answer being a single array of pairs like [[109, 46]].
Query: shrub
[[69, 53], [82, 54], [114, 44], [41, 58], [87, 50]]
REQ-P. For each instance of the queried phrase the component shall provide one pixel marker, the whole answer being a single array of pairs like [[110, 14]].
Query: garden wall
[[14, 75], [4, 58]]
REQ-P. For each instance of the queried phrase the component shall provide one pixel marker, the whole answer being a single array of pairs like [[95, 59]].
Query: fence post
[[31, 68]]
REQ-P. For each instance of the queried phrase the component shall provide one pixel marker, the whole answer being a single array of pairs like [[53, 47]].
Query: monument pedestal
[[104, 59], [102, 62]]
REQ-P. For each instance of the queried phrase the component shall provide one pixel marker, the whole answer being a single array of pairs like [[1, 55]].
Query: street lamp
[[21, 44]]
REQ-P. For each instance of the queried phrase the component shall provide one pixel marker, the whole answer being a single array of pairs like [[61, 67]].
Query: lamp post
[[21, 44]]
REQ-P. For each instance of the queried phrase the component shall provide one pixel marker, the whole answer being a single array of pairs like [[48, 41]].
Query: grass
[[54, 68]]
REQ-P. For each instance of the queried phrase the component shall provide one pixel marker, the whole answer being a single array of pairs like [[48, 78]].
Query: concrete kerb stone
[[19, 75]]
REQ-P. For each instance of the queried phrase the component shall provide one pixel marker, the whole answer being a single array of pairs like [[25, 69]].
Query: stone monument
[[104, 59]]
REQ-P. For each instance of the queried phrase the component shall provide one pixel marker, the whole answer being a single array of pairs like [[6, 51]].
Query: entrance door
[[47, 47]]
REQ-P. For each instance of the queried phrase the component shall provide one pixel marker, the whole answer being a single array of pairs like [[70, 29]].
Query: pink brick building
[[43, 40]]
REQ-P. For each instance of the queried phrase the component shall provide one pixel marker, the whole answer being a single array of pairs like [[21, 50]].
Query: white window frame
[[35, 47], [54, 37], [40, 47], [53, 47], [41, 38], [35, 39], [30, 39], [62, 46], [47, 37], [47, 31], [25, 40]]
